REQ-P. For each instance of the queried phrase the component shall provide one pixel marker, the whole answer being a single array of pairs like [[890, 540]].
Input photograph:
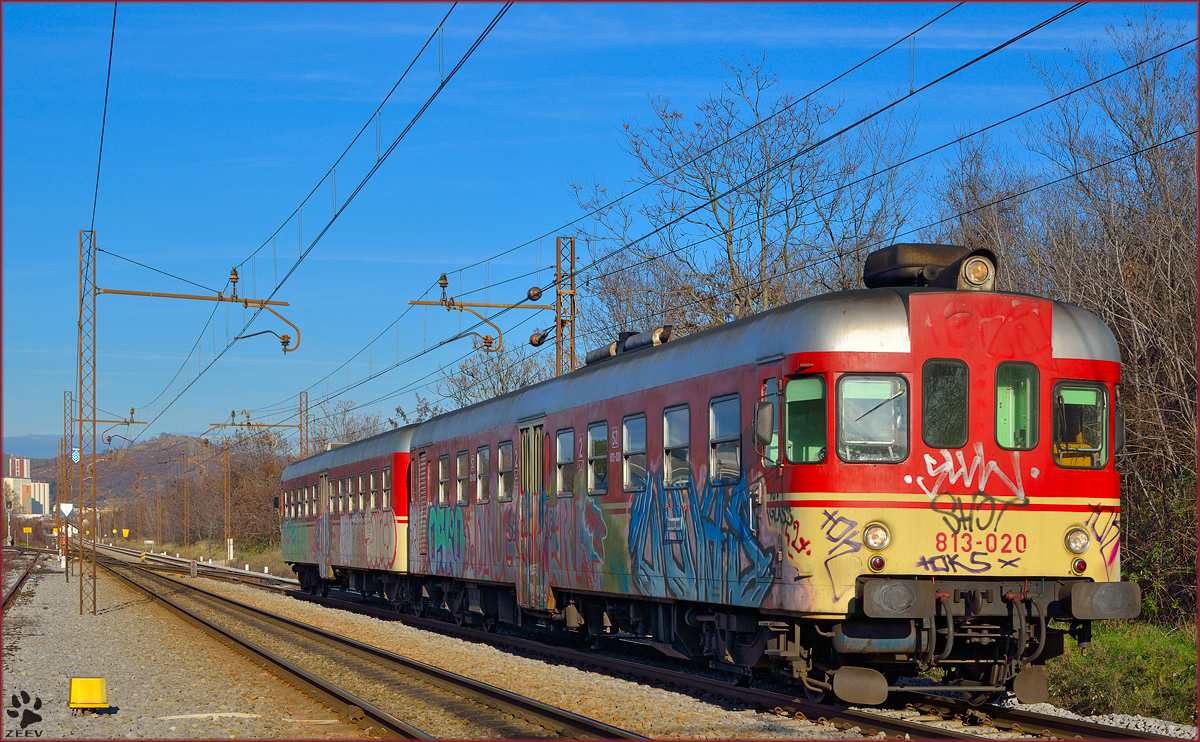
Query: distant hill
[[117, 477], [31, 446]]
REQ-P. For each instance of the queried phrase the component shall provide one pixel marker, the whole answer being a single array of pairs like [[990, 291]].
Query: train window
[[725, 439], [1080, 424], [872, 418], [351, 493], [770, 393], [362, 491], [464, 478], [944, 387], [597, 458], [483, 474], [385, 502], [677, 437], [633, 452], [1016, 406], [566, 462], [504, 476], [444, 481], [805, 420], [342, 495], [374, 489]]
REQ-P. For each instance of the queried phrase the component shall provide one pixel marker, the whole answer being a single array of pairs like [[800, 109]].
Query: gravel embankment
[[155, 665], [652, 712], [1127, 721], [435, 711]]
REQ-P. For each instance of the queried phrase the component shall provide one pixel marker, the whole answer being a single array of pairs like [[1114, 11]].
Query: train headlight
[[875, 536], [977, 271], [1078, 540]]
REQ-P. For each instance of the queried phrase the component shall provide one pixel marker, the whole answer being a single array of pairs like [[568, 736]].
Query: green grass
[[1131, 668]]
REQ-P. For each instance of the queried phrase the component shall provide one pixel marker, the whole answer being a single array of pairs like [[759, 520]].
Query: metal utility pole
[[304, 442], [449, 303], [564, 304], [66, 482], [87, 414], [187, 530]]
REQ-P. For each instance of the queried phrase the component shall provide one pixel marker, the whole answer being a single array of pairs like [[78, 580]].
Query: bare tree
[[336, 422], [488, 374], [741, 222], [1117, 236], [424, 410]]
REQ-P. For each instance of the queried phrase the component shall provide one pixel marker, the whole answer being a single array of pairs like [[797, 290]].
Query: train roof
[[393, 441], [863, 320]]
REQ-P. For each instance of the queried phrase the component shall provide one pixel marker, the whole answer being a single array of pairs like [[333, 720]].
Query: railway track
[[386, 691], [24, 559], [914, 713]]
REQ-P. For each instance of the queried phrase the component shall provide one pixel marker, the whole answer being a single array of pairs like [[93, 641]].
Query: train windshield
[[1080, 425], [872, 418]]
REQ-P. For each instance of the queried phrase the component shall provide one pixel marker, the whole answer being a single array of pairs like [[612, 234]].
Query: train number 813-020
[[992, 543]]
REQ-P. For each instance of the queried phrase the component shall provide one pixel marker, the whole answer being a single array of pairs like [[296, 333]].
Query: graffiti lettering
[[1008, 562], [980, 512], [947, 470], [797, 544], [839, 530], [1104, 523], [952, 563]]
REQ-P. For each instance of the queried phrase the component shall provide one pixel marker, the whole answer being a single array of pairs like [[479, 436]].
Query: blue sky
[[223, 117]]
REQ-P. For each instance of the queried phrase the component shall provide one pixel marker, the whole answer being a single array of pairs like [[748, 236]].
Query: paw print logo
[[27, 716]]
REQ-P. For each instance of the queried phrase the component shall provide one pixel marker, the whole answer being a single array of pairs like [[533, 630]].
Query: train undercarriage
[[986, 636]]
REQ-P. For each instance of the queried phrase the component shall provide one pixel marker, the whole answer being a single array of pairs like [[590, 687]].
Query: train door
[[422, 504], [770, 517], [531, 577], [323, 526]]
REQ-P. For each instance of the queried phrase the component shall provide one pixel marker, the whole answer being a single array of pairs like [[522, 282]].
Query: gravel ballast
[[155, 665], [646, 710]]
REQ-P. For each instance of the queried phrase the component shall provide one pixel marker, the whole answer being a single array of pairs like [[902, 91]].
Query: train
[[841, 491]]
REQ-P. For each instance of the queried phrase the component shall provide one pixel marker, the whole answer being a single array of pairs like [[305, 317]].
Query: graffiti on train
[[365, 539], [447, 539], [698, 545]]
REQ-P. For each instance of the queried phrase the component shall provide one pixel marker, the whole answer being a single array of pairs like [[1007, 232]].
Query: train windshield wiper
[[881, 404]]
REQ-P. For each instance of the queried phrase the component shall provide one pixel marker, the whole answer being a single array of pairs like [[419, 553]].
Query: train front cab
[[955, 506]]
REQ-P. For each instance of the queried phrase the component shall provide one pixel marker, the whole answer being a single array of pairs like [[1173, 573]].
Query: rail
[[560, 721]]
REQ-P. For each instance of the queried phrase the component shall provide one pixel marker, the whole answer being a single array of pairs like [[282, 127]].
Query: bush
[[1132, 667]]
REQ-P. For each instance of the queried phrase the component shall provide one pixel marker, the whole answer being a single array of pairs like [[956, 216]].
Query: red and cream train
[[842, 490]]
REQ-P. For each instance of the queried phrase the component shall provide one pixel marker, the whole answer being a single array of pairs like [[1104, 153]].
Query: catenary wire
[[811, 263], [783, 162], [712, 149], [788, 160], [1027, 111], [104, 116], [212, 316], [479, 40], [849, 127], [356, 136], [156, 270]]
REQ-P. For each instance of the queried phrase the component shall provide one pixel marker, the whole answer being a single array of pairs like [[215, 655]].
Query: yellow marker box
[[88, 693]]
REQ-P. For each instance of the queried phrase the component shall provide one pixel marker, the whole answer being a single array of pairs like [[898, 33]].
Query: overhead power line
[[691, 245], [659, 178], [788, 160], [809, 264], [383, 158], [714, 148], [104, 117]]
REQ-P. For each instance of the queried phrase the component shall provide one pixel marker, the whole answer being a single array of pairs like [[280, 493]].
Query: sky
[[221, 119]]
